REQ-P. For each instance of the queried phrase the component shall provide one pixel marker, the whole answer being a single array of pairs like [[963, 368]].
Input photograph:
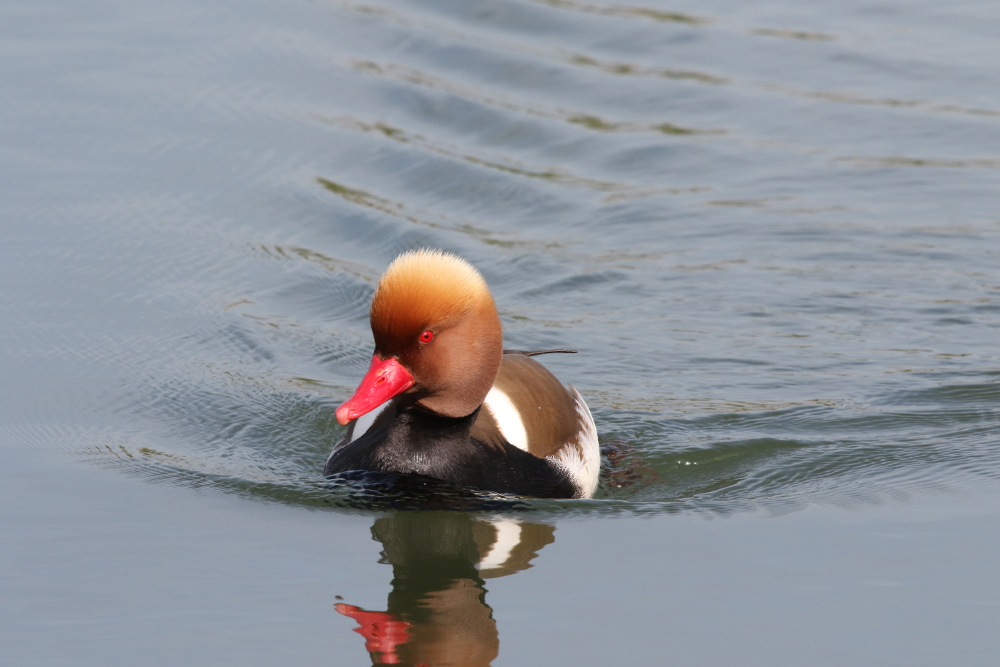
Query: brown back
[[547, 408]]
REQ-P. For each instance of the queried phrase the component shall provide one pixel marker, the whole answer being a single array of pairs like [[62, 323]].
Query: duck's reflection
[[437, 612]]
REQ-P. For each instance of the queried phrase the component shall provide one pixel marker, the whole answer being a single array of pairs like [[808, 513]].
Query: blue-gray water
[[771, 229]]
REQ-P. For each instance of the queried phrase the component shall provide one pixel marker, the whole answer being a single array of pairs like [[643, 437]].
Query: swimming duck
[[443, 399]]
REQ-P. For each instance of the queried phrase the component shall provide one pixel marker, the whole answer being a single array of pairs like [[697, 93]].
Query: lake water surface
[[772, 231]]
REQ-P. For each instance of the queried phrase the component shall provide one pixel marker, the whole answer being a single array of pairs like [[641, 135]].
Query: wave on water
[[268, 445]]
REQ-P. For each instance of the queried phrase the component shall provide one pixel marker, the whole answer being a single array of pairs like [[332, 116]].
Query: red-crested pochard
[[442, 398]]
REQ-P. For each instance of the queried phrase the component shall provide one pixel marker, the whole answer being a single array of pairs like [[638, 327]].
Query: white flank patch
[[365, 421], [582, 456], [507, 418], [508, 537]]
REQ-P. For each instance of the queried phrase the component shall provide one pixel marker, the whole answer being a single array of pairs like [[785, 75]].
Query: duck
[[443, 399]]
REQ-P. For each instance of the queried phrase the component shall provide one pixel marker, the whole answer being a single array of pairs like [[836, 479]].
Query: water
[[772, 231]]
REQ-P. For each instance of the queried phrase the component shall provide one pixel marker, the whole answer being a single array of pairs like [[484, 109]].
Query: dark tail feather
[[535, 353]]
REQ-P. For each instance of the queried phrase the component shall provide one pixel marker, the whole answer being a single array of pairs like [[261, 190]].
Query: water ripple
[[506, 165], [496, 100], [265, 442], [626, 11]]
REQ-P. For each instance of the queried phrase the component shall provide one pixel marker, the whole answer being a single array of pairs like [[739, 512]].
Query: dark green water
[[772, 231]]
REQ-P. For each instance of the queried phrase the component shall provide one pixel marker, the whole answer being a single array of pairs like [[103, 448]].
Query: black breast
[[440, 447]]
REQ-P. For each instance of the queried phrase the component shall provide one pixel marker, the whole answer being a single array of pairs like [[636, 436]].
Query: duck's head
[[438, 338]]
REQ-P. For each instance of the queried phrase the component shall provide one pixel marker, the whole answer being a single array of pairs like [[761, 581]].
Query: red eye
[[427, 336]]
